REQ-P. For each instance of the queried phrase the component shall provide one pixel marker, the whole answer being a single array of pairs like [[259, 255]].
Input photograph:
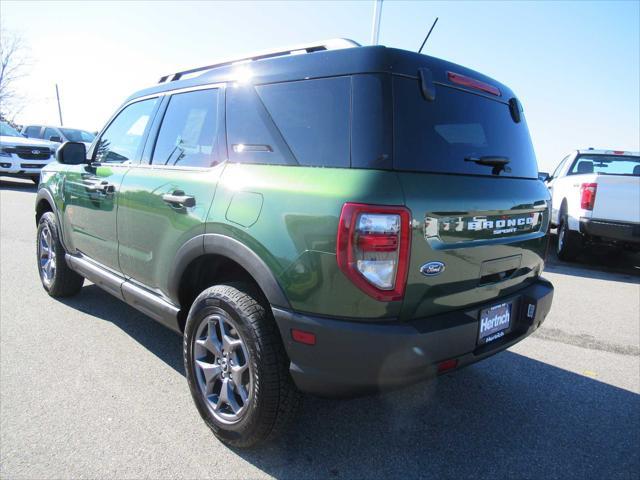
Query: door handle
[[102, 187], [179, 199]]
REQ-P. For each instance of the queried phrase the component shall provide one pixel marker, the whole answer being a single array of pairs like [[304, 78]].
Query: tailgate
[[617, 198], [489, 234]]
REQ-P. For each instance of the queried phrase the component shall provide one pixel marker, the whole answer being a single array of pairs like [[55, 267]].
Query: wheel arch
[[44, 203], [212, 256]]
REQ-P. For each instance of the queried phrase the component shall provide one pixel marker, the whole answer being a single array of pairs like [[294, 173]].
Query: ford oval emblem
[[431, 269]]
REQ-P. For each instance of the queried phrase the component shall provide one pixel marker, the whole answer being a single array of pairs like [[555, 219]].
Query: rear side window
[[50, 132], [33, 132], [304, 122], [187, 137], [436, 136], [606, 165]]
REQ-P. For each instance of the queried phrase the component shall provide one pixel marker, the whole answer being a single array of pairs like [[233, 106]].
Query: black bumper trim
[[351, 358], [608, 230]]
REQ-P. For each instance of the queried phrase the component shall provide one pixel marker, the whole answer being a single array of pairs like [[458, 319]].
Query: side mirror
[[55, 138], [72, 153], [544, 176]]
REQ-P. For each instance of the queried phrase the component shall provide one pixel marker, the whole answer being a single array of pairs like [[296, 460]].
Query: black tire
[[62, 281], [569, 242], [273, 399]]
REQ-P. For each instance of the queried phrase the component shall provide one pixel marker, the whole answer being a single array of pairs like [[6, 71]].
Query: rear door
[[91, 190], [164, 201], [484, 228]]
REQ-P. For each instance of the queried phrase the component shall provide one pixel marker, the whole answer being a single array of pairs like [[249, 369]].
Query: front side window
[[606, 165], [50, 132], [187, 137], [122, 140]]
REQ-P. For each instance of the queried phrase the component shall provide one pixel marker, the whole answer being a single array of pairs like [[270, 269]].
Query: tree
[[13, 65]]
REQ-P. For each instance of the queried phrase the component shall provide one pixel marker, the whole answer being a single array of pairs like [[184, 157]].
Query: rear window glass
[[606, 164], [437, 136]]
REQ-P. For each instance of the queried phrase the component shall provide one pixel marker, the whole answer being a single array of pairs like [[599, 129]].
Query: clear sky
[[574, 65]]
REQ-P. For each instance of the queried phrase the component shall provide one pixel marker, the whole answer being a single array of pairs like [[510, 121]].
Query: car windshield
[[606, 164], [7, 130], [74, 135]]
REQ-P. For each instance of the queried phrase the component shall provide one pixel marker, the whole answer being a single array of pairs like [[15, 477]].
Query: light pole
[[375, 27], [59, 109]]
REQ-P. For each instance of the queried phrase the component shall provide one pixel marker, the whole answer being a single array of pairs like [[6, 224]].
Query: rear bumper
[[354, 357], [609, 230]]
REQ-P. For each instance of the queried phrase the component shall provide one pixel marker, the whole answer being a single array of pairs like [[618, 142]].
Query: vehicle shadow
[[600, 263], [510, 416], [162, 342], [17, 185]]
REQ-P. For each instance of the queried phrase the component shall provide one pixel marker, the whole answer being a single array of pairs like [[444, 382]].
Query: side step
[[139, 298]]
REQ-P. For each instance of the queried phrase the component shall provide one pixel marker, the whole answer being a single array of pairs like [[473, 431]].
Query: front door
[[91, 190]]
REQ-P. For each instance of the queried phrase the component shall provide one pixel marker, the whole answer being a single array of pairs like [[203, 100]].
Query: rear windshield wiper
[[498, 163]]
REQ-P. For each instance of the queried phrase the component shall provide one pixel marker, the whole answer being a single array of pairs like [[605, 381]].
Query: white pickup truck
[[595, 200]]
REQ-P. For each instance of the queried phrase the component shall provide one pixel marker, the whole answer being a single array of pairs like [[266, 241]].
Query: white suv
[[23, 157], [596, 200]]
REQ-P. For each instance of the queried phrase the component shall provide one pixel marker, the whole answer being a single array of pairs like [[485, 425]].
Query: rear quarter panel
[[288, 215]]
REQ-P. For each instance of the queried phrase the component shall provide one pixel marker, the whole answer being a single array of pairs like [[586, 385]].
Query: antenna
[[427, 37], [375, 27]]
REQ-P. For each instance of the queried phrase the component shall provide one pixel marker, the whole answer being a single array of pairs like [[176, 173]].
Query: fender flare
[[45, 194], [211, 243]]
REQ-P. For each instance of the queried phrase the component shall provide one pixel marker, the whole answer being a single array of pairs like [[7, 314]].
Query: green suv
[[330, 219]]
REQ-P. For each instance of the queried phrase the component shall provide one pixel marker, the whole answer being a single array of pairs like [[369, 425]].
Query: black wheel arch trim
[[212, 243], [45, 194]]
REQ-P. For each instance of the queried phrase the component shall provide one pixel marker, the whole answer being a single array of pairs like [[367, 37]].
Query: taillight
[[588, 195], [373, 248], [473, 83]]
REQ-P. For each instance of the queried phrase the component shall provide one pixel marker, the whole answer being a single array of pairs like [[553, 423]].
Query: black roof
[[330, 63]]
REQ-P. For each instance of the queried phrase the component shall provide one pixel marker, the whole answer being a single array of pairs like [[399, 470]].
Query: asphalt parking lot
[[90, 388]]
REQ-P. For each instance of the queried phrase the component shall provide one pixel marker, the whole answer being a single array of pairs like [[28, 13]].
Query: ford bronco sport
[[331, 219]]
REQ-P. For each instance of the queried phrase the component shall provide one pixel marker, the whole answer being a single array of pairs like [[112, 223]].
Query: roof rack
[[332, 44]]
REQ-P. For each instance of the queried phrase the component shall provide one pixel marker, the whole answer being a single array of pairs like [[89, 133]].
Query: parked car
[[58, 134], [330, 218], [23, 157], [596, 200]]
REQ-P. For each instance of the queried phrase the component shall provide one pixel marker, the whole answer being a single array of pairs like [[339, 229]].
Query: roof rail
[[332, 44]]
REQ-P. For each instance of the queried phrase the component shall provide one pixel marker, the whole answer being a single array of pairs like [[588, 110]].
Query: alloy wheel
[[221, 363], [46, 255]]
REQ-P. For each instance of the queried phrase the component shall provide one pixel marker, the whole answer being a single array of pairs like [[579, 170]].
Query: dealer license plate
[[495, 322]]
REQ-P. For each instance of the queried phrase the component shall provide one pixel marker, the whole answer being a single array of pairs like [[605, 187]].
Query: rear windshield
[[436, 136], [606, 164]]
